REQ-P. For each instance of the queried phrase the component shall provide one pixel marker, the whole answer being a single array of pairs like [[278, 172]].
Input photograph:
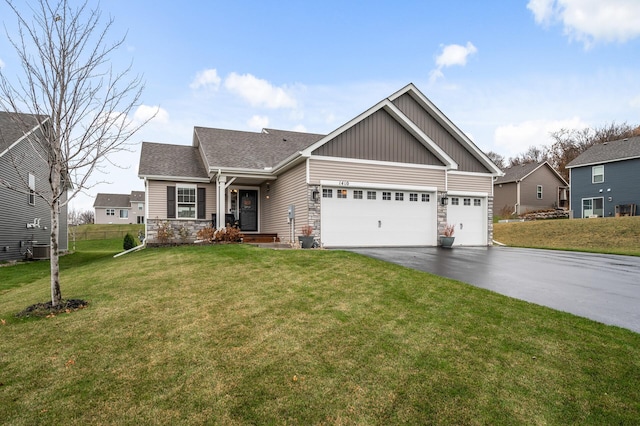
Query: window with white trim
[[124, 214], [371, 195], [32, 189], [341, 193], [186, 196], [327, 193], [539, 192], [140, 206], [597, 174], [357, 194], [110, 212], [413, 197]]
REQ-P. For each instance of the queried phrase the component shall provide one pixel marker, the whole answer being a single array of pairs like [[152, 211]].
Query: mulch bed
[[47, 310]]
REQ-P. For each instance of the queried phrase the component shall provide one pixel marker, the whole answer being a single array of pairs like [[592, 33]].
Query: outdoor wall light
[[315, 195], [444, 201]]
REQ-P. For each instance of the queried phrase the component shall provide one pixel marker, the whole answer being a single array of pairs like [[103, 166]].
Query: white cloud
[[590, 21], [452, 54], [258, 122], [300, 128], [145, 112], [259, 92], [208, 79], [514, 139], [635, 102]]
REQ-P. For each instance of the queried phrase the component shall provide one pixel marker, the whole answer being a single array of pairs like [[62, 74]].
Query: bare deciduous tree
[[497, 159], [66, 80]]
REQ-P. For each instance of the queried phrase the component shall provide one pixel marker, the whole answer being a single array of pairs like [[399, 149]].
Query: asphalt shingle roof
[[516, 173], [251, 150], [158, 159], [609, 151], [112, 200]]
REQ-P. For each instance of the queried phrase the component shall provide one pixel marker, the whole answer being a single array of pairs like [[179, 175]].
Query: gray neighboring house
[[605, 179], [394, 175], [25, 218], [530, 187], [119, 208]]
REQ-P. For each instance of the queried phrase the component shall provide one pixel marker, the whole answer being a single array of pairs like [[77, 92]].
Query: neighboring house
[[530, 187], [395, 175], [605, 179], [25, 218], [119, 208]]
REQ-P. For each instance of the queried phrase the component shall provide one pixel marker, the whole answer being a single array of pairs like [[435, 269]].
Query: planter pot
[[306, 242], [447, 241]]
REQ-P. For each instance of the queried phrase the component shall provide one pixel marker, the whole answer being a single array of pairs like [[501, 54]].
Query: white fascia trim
[[23, 137], [238, 170], [175, 178], [369, 185], [402, 119], [444, 120], [467, 193], [478, 174], [377, 162]]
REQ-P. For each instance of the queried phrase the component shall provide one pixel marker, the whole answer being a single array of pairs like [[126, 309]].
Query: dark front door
[[248, 209]]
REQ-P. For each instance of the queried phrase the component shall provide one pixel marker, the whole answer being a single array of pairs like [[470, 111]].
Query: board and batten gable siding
[[445, 140], [320, 169], [157, 189], [621, 183], [289, 188], [470, 183], [378, 137], [15, 210]]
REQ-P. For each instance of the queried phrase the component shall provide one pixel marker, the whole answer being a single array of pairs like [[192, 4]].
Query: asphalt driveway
[[605, 288]]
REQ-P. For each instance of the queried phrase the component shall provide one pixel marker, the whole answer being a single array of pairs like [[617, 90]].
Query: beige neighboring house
[[119, 208], [530, 187], [394, 175]]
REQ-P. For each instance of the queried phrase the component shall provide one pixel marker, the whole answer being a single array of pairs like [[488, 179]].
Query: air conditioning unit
[[41, 252]]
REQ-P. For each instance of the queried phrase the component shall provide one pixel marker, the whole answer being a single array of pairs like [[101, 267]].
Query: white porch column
[[221, 201]]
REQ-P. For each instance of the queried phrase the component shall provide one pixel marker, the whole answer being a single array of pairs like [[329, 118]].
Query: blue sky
[[506, 72]]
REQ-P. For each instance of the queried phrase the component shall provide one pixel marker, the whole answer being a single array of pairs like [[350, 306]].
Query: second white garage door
[[378, 217], [469, 215]]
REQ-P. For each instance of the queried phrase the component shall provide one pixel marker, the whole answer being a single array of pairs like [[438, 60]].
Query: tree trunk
[[56, 295]]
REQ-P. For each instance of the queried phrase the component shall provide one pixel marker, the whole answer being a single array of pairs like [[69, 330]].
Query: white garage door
[[378, 217], [469, 215]]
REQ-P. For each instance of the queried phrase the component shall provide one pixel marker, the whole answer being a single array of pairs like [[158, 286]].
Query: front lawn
[[235, 334]]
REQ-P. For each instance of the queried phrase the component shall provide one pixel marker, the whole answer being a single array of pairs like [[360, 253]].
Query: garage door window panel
[[371, 195], [357, 194], [455, 201], [341, 193], [425, 198], [467, 201], [399, 196], [386, 196], [327, 193]]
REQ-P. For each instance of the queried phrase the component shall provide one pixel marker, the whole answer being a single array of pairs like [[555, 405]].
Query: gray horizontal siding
[[158, 198], [374, 173], [462, 182], [15, 210]]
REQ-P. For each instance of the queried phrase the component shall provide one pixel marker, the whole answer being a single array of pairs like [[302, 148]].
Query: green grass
[[102, 232], [234, 334], [619, 235]]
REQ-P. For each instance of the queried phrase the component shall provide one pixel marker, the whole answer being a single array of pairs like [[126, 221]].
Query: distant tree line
[[78, 217], [567, 145]]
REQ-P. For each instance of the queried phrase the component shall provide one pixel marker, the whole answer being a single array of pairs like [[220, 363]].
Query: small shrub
[[206, 234], [228, 235], [129, 242], [183, 233], [165, 232]]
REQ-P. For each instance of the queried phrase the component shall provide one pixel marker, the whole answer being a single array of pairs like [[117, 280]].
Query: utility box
[[41, 252], [291, 212]]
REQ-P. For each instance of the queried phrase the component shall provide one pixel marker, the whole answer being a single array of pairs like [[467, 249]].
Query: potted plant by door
[[306, 239], [447, 238]]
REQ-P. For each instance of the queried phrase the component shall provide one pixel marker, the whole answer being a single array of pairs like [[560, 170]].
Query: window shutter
[[171, 202], [202, 206]]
